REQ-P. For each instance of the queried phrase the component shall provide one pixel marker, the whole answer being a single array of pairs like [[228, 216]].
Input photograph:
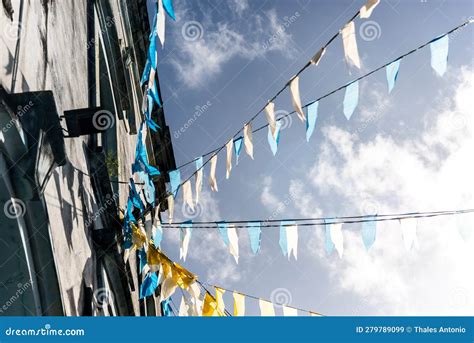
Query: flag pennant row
[[439, 54]]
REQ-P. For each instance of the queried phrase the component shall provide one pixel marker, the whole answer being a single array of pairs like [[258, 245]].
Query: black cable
[[328, 220]]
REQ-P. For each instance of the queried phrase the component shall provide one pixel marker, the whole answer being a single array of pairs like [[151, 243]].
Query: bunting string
[[258, 299], [323, 220], [345, 86]]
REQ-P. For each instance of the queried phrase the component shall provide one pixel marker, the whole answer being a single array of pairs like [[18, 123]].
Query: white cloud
[[204, 47], [433, 171]]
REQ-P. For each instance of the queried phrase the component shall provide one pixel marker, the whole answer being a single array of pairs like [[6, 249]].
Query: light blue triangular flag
[[142, 257], [158, 235], [439, 54], [175, 181], [149, 285], [166, 308], [311, 117], [199, 163], [392, 74], [351, 99], [223, 226], [328, 241], [255, 232], [168, 5], [283, 240], [369, 232], [238, 148], [274, 141], [146, 73], [152, 47]]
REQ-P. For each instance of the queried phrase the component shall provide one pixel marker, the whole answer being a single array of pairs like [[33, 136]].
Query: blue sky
[[406, 151]]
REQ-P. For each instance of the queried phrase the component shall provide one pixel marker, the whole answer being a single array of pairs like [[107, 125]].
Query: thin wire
[[331, 220], [219, 149], [257, 298]]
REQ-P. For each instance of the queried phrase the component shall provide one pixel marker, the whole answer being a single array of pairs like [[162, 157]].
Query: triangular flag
[[295, 97], [439, 54], [328, 240], [255, 232], [196, 303], [283, 236], [238, 148], [170, 208], [273, 141], [229, 149], [266, 308], [157, 228], [292, 240], [337, 238], [311, 117], [198, 178], [149, 285], [239, 304], [175, 181], [212, 174], [160, 22], [248, 139], [317, 57], [367, 9], [290, 311], [369, 232], [392, 74], [188, 194], [351, 99], [312, 314], [185, 235], [209, 308], [408, 227], [220, 300], [168, 5], [183, 308], [270, 114], [222, 226], [233, 242], [351, 52]]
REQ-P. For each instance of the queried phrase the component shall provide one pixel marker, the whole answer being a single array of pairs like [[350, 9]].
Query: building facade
[[70, 108]]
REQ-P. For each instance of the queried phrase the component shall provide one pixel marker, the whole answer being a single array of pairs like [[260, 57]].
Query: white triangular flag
[[198, 178], [160, 22], [270, 114], [170, 208], [366, 10], [295, 97], [248, 139], [188, 194], [316, 58], [292, 240], [233, 242], [408, 227], [266, 308], [290, 311], [337, 238], [351, 52], [168, 286], [183, 308], [196, 303], [185, 235], [212, 174], [230, 148]]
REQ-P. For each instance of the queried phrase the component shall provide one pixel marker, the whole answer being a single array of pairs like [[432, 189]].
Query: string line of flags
[[232, 231], [196, 300], [439, 56]]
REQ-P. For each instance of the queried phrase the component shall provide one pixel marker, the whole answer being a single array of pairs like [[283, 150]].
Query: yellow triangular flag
[[239, 304], [220, 300], [266, 308], [209, 309]]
